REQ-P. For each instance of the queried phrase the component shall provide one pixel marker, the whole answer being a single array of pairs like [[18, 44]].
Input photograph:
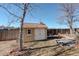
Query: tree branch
[[10, 12]]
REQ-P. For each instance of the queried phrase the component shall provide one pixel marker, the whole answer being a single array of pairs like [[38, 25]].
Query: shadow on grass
[[41, 40], [39, 47], [55, 47], [38, 40], [62, 51], [31, 50]]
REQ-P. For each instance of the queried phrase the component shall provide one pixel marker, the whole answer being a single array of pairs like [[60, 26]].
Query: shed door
[[28, 35], [39, 34]]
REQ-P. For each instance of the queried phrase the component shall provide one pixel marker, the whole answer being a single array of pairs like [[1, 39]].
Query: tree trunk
[[20, 36], [71, 30], [70, 21], [21, 27]]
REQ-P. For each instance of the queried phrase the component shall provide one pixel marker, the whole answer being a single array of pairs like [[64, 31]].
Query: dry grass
[[42, 48], [37, 48], [37, 44]]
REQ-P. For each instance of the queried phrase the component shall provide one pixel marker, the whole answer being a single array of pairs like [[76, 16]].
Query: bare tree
[[21, 28], [23, 7], [70, 15]]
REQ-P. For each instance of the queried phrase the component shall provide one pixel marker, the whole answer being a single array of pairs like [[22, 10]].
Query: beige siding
[[40, 34], [28, 37]]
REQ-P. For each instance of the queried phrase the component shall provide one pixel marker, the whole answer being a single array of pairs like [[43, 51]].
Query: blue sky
[[47, 13]]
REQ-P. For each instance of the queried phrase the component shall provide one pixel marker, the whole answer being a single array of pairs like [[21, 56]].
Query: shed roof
[[34, 25]]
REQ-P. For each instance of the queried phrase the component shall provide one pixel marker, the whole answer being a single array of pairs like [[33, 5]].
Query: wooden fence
[[60, 31], [11, 34]]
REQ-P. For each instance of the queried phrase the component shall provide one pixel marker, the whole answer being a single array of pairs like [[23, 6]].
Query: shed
[[34, 31]]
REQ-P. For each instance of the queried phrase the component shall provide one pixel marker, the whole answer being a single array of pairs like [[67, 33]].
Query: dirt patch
[[6, 46]]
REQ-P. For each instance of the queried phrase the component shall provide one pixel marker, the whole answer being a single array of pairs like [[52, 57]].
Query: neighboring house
[[31, 31]]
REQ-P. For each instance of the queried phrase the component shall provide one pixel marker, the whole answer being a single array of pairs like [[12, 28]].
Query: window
[[29, 31]]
